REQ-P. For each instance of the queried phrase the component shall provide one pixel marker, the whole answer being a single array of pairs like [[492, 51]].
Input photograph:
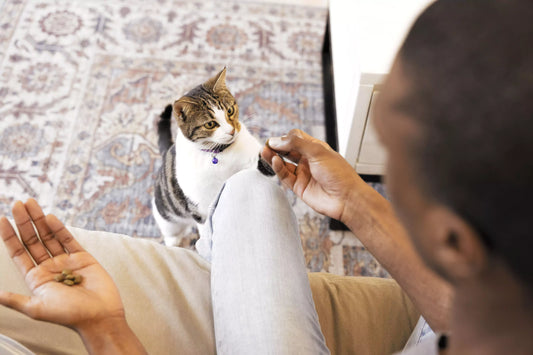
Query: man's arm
[[372, 219], [325, 181], [110, 336], [93, 308]]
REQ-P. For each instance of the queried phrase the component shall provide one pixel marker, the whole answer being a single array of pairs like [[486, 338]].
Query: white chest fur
[[200, 179]]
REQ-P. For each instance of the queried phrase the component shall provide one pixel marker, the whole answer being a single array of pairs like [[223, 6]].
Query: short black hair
[[469, 68]]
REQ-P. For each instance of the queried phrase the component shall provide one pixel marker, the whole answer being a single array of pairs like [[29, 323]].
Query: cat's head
[[208, 114]]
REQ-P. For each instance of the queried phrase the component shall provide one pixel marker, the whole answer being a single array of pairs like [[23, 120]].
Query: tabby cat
[[211, 145]]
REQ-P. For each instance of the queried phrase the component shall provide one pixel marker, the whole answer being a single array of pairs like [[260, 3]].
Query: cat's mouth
[[224, 141], [230, 138]]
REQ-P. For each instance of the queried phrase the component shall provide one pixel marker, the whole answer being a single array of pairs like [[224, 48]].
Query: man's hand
[[93, 308], [321, 177], [327, 183]]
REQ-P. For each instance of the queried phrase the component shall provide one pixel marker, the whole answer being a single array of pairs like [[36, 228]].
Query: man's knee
[[250, 181]]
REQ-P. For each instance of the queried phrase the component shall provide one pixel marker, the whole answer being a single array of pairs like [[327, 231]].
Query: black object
[[443, 342]]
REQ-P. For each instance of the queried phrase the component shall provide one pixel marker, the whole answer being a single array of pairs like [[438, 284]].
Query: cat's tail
[[163, 130]]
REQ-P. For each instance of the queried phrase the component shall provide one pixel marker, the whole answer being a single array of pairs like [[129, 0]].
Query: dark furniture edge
[[330, 112]]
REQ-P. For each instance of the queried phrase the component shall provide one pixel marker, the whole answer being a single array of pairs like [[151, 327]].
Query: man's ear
[[459, 252]]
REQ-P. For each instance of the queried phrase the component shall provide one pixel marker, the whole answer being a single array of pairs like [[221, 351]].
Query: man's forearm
[[372, 219], [113, 336]]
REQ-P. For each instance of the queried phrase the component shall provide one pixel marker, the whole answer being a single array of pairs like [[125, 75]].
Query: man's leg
[[262, 301]]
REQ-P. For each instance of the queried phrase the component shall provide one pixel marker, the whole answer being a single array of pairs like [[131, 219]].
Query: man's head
[[456, 115]]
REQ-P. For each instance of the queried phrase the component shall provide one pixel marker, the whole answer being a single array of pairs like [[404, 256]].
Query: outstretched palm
[[53, 250]]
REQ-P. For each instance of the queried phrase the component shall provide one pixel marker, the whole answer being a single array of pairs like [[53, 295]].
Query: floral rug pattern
[[82, 84]]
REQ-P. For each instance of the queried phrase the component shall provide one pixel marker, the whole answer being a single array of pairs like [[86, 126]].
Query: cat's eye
[[231, 111], [210, 125]]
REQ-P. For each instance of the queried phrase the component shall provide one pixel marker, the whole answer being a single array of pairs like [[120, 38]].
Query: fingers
[[63, 235], [35, 246], [297, 144], [28, 233], [16, 250], [312, 139], [268, 154], [46, 235], [285, 172], [303, 150], [15, 301], [293, 156], [303, 176], [294, 177]]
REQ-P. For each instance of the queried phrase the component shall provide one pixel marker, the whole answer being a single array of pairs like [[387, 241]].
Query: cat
[[211, 145]]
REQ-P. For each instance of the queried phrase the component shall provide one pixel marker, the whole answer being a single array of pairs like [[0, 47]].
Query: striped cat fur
[[210, 146]]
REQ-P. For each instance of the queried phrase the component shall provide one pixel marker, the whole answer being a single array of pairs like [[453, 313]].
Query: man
[[455, 117]]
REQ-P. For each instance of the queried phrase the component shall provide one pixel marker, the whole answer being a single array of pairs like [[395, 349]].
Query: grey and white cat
[[211, 145]]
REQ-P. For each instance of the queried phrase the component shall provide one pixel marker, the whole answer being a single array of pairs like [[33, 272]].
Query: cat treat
[[68, 278]]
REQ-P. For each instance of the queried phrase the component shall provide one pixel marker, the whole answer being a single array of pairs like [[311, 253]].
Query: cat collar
[[215, 151]]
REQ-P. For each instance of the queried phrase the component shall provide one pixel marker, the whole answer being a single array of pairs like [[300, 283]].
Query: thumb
[[295, 142], [15, 301], [285, 172]]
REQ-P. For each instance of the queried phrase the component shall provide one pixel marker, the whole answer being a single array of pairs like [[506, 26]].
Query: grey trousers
[[262, 301]]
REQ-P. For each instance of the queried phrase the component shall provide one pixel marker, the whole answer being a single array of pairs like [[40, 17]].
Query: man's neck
[[492, 315]]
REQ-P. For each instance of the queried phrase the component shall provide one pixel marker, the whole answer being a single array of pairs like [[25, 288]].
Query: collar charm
[[215, 151]]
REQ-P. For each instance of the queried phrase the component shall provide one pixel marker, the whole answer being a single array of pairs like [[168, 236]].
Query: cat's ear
[[217, 82], [180, 107]]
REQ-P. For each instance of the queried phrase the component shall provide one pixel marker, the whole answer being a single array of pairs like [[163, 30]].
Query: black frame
[[330, 112]]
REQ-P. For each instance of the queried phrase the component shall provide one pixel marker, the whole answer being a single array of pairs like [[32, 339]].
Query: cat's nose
[[232, 132]]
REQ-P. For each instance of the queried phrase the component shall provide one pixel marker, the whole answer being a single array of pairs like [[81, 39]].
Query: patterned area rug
[[82, 84]]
